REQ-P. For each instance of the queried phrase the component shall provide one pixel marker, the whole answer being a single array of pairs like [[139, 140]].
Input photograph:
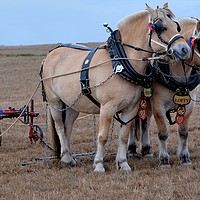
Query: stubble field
[[21, 177]]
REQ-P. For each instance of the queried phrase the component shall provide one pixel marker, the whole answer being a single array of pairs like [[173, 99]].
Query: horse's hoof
[[126, 169], [68, 161], [185, 160], [149, 155], [186, 163], [164, 162], [99, 169], [123, 166], [164, 166], [146, 152], [68, 164], [135, 156]]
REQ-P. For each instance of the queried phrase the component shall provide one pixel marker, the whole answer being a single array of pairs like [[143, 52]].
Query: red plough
[[26, 117]]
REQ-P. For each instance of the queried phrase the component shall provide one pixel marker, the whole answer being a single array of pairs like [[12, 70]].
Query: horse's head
[[164, 32], [190, 28], [195, 43]]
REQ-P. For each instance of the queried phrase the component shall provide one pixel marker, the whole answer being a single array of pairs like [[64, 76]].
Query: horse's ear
[[151, 12], [198, 26], [165, 6]]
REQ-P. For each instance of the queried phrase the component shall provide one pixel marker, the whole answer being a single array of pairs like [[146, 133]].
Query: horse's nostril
[[184, 50]]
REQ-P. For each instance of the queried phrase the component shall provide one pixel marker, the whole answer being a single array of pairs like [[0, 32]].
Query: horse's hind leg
[[63, 124], [70, 116], [183, 152]]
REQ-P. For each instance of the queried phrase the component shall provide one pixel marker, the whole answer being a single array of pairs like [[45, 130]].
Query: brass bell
[[148, 92]]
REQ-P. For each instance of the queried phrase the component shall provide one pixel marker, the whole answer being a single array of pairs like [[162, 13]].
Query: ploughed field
[[26, 174]]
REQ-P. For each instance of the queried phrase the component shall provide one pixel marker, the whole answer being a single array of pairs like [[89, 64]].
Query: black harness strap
[[73, 46], [162, 75], [123, 67], [84, 77], [85, 85]]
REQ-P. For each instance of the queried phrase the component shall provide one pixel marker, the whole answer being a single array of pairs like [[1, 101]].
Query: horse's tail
[[54, 136]]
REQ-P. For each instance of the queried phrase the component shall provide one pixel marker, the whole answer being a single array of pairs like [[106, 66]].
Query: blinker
[[158, 27]]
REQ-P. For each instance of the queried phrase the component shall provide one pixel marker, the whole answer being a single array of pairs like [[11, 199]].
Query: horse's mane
[[128, 19], [167, 12], [187, 21]]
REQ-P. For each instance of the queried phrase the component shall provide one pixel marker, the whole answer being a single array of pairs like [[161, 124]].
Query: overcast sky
[[27, 22]]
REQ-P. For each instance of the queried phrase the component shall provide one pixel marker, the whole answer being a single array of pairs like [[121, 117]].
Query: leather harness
[[116, 50]]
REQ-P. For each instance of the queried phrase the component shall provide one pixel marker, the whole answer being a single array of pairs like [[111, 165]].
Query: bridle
[[157, 26], [195, 43]]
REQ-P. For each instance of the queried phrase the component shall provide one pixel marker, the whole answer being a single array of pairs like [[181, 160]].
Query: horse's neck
[[136, 34], [180, 71]]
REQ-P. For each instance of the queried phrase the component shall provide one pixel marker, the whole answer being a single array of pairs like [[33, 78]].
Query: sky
[[31, 22]]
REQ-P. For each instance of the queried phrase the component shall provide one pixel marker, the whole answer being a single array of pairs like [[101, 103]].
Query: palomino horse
[[110, 92], [173, 85]]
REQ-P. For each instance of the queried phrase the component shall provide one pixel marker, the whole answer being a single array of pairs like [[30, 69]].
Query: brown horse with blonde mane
[[112, 79], [169, 96]]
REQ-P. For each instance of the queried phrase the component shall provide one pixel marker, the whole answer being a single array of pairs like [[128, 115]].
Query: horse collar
[[162, 75], [122, 66]]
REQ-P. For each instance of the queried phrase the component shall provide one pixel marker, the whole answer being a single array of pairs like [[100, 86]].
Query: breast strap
[[162, 75]]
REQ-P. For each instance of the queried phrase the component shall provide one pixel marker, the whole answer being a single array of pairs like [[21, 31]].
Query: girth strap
[[84, 77]]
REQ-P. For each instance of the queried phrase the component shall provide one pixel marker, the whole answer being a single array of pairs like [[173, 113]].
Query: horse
[[162, 102], [108, 87]]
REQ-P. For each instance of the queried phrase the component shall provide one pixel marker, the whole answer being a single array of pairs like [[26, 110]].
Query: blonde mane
[[128, 19], [187, 21]]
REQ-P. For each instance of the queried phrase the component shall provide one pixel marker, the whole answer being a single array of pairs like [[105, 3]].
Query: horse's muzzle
[[181, 51]]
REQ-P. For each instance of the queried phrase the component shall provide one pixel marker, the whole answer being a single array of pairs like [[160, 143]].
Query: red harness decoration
[[142, 112], [180, 118], [181, 99]]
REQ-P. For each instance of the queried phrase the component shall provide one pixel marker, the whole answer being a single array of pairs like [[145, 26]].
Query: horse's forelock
[[167, 12], [128, 19]]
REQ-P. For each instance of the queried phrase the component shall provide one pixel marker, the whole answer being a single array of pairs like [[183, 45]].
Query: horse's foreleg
[[121, 159], [145, 136], [183, 152], [145, 139], [162, 138], [135, 128], [106, 115]]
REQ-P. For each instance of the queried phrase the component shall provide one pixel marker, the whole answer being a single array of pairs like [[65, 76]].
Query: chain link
[[67, 106]]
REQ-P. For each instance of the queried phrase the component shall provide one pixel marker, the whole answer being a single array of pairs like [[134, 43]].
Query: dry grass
[[47, 180]]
